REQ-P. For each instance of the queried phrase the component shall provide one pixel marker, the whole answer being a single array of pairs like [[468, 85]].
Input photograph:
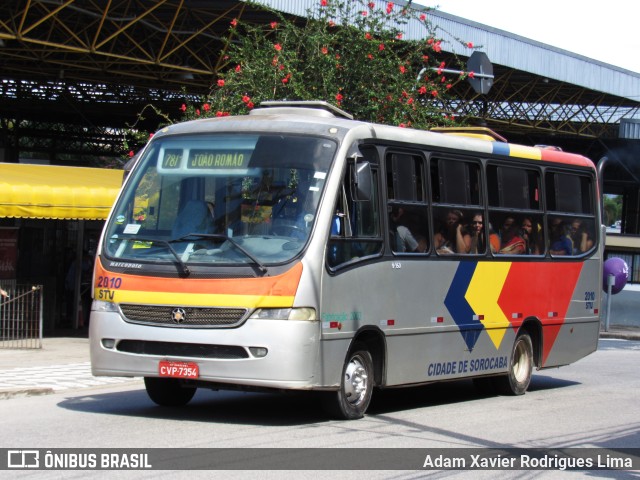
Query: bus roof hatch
[[306, 107]]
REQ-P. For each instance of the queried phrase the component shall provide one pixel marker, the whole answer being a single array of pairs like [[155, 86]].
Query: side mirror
[[361, 181]]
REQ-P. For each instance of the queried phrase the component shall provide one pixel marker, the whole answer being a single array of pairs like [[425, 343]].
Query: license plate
[[167, 368]]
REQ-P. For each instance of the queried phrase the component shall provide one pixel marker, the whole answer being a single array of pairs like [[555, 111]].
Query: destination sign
[[213, 158]]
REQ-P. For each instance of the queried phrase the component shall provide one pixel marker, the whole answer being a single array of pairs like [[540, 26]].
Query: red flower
[[434, 93], [367, 36], [410, 101], [399, 36], [274, 25], [437, 47], [372, 5], [363, 13], [234, 23], [323, 3], [221, 83], [370, 57], [430, 41], [206, 107], [339, 97], [324, 50], [403, 125], [278, 47], [423, 17], [381, 47], [422, 90], [219, 113], [402, 69], [470, 44], [332, 23], [249, 105], [197, 112], [425, 58], [389, 7], [246, 99], [150, 136], [449, 86], [183, 107], [471, 74], [131, 154]]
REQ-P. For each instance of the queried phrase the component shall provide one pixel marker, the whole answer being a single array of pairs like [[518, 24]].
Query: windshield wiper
[[219, 236], [183, 266]]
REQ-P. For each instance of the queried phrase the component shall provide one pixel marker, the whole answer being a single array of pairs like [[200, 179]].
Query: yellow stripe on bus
[[524, 152], [195, 299], [483, 293]]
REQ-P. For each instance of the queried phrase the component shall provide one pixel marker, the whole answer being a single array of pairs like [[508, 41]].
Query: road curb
[[621, 335], [24, 392]]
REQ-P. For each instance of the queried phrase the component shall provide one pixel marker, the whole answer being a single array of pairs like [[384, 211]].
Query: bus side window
[[572, 223], [355, 226], [407, 207]]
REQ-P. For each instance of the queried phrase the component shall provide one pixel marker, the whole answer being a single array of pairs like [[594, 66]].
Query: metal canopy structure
[[92, 66]]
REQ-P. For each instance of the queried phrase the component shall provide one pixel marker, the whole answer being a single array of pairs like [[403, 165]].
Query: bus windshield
[[220, 199]]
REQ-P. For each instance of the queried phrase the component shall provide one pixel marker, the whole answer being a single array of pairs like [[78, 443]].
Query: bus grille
[[173, 349], [187, 317]]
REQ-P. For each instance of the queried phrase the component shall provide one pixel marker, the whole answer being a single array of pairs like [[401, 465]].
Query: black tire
[[517, 380], [168, 392], [351, 401]]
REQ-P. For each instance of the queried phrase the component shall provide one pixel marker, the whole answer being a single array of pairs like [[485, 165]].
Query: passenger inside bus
[[531, 232], [580, 237], [511, 243], [194, 217], [478, 240], [405, 232], [451, 236], [559, 241]]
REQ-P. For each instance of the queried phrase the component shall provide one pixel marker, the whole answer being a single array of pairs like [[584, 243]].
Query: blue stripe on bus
[[458, 306], [500, 148]]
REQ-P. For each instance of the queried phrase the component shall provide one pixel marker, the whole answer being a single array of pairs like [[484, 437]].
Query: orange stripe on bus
[[279, 285]]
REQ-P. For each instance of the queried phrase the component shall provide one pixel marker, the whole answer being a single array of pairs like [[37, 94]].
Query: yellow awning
[[47, 191]]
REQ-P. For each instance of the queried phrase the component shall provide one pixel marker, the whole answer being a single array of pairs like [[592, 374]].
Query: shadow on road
[[283, 409]]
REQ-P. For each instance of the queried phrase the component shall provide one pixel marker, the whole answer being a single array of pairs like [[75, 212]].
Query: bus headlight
[[304, 313], [100, 306]]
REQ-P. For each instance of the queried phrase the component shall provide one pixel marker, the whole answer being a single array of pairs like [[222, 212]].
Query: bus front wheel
[[168, 392], [518, 378], [351, 401]]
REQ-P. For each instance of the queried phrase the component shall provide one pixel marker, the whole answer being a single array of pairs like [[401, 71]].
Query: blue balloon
[[619, 270]]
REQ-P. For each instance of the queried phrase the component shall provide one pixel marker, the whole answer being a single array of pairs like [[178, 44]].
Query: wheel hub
[[355, 381]]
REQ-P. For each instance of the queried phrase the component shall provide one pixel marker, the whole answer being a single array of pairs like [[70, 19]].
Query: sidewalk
[[63, 363]]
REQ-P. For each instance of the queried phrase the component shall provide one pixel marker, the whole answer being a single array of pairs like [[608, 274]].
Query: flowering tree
[[349, 53]]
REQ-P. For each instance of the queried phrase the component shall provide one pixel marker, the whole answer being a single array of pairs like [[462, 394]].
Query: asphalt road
[[593, 403]]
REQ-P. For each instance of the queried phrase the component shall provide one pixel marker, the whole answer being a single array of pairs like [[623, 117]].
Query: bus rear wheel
[[168, 392], [351, 401], [517, 380]]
